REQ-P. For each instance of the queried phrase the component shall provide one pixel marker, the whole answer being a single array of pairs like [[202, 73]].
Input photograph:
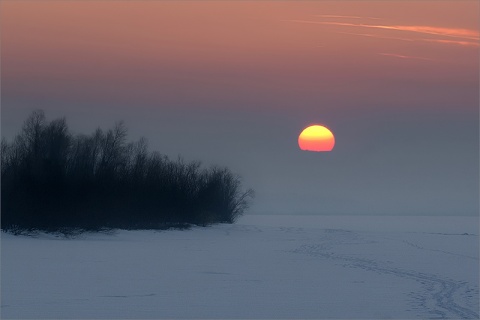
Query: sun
[[316, 138]]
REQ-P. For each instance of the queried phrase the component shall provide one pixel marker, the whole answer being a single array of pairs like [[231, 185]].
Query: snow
[[261, 267]]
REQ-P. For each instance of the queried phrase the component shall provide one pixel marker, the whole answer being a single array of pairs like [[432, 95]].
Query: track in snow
[[438, 296]]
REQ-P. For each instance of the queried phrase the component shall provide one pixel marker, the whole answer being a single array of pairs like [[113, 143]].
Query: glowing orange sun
[[316, 138]]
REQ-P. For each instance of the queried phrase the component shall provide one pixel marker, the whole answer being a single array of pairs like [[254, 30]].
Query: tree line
[[55, 181]]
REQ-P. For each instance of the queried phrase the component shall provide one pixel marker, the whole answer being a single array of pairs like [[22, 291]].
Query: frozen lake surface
[[261, 267]]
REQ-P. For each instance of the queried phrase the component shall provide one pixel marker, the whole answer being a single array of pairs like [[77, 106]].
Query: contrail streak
[[454, 42], [405, 57], [446, 32]]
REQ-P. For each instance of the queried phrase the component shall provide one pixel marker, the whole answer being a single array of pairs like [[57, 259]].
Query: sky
[[233, 83]]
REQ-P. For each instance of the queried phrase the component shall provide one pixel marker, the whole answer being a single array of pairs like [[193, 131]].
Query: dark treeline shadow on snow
[[55, 181]]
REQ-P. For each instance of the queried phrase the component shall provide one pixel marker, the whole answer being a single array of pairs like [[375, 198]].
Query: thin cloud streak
[[401, 56], [462, 43], [371, 35], [454, 42], [446, 32]]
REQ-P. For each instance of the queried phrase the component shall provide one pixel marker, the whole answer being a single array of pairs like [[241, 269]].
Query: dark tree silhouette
[[58, 182]]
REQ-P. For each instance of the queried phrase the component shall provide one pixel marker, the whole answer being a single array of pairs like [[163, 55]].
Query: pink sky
[[132, 50]]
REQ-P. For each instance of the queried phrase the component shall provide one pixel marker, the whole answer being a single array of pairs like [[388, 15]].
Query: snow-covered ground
[[260, 267]]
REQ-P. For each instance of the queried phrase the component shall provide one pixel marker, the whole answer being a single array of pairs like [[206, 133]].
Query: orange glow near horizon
[[316, 138]]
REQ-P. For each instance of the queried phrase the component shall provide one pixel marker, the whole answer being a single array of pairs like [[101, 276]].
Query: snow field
[[260, 267]]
